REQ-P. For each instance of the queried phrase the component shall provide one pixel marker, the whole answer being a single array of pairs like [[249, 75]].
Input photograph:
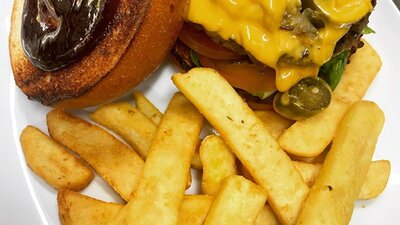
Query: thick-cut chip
[[248, 138], [309, 137], [373, 185], [133, 126], [376, 180], [194, 209], [244, 172], [218, 163], [308, 171], [304, 159], [147, 108], [196, 161], [274, 122], [266, 217], [238, 202], [78, 209], [115, 162], [331, 199], [52, 162], [162, 185], [316, 159]]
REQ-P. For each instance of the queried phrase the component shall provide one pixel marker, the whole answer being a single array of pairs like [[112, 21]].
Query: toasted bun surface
[[140, 37]]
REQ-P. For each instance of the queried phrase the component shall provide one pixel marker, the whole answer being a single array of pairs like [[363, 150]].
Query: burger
[[283, 54], [79, 53]]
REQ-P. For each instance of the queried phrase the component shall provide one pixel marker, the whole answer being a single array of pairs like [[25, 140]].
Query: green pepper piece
[[308, 97]]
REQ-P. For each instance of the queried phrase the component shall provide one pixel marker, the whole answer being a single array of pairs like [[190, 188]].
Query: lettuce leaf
[[195, 58], [332, 70], [368, 30]]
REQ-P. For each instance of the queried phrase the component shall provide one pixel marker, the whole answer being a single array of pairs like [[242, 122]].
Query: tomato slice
[[249, 77], [201, 43]]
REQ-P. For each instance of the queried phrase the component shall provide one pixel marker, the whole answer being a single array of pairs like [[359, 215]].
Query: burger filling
[[282, 34], [289, 40]]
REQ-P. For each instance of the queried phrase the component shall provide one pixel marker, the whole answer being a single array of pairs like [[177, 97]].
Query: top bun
[[139, 39]]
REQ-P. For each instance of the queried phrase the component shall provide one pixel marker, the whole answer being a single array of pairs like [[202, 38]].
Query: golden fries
[[244, 172], [115, 162], [78, 209], [147, 108], [196, 161], [331, 199], [238, 202], [373, 185], [376, 180], [309, 137], [266, 217], [248, 138], [51, 161], [133, 126], [153, 182], [162, 185], [194, 209], [316, 159], [129, 122], [308, 171], [274, 122], [218, 164]]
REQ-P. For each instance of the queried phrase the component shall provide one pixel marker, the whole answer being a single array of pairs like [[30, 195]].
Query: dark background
[[397, 2]]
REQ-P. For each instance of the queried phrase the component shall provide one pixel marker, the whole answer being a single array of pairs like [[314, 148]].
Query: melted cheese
[[256, 25], [344, 11]]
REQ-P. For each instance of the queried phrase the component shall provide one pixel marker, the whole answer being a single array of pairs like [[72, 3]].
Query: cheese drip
[[256, 25]]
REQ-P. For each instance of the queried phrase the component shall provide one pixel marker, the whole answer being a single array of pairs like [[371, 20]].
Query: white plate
[[26, 199]]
